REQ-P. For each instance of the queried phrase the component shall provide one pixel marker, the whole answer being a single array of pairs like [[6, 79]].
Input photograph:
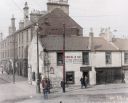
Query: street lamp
[[14, 62], [63, 59], [38, 78]]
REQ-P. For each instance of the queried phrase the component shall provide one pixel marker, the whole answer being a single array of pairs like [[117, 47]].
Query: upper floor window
[[126, 57], [22, 38], [59, 58], [85, 58], [108, 58]]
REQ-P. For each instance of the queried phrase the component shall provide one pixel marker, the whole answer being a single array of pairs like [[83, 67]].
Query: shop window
[[126, 57], [85, 58], [59, 58], [70, 77], [108, 58]]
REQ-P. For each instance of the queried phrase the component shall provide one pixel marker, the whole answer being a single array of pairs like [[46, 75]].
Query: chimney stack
[[13, 24], [62, 4], [21, 25], [91, 36], [12, 28], [1, 37], [26, 14]]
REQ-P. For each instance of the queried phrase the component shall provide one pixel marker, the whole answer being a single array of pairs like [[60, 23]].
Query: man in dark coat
[[81, 81]]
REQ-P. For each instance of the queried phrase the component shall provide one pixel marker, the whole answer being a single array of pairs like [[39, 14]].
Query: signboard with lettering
[[73, 59]]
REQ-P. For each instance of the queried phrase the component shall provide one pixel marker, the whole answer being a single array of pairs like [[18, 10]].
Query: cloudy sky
[[88, 13]]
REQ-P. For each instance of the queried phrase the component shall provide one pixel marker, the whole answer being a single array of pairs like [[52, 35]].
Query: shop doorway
[[86, 73]]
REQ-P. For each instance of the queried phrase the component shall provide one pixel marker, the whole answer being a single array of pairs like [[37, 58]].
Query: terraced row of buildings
[[103, 59]]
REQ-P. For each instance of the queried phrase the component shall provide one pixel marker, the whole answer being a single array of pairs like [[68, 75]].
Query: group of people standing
[[46, 85], [83, 81]]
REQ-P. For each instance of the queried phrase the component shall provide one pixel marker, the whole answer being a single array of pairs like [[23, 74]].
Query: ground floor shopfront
[[109, 75], [97, 76]]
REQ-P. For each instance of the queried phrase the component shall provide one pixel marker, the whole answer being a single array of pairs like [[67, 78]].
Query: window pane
[[126, 58], [85, 58], [108, 58], [59, 58]]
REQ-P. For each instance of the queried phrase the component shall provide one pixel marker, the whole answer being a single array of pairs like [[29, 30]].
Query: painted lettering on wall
[[73, 59]]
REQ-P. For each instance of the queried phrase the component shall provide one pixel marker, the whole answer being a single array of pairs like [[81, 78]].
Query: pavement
[[22, 92]]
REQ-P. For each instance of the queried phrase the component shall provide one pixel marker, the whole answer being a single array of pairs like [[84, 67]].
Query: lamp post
[[64, 59], [14, 62], [38, 78]]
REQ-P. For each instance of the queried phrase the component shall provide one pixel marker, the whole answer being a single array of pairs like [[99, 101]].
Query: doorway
[[86, 73]]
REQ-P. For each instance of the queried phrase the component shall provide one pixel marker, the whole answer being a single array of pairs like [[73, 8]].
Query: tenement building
[[14, 48]]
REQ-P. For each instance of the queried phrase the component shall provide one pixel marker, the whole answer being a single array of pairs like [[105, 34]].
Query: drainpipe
[[91, 40], [91, 47], [122, 68]]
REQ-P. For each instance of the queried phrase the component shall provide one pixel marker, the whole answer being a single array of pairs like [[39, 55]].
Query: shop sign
[[73, 59]]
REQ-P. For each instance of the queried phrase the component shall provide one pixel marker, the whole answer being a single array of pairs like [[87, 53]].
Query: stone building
[[14, 48], [102, 59]]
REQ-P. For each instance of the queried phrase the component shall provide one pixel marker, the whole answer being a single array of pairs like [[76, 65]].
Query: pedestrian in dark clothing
[[86, 81], [45, 88], [2, 71], [62, 85], [49, 84], [81, 81]]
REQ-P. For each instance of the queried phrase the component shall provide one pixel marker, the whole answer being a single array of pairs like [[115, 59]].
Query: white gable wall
[[32, 58]]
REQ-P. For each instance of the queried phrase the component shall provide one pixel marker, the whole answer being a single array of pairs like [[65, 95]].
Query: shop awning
[[85, 69]]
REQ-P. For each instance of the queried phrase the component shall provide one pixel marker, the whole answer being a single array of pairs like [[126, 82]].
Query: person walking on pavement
[[45, 88], [62, 85], [81, 81], [86, 81]]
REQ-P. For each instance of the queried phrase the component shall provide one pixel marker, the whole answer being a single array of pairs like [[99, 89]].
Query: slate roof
[[122, 44], [54, 43], [101, 44], [71, 43], [57, 18], [54, 20]]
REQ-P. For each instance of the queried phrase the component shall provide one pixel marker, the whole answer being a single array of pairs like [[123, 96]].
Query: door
[[86, 73]]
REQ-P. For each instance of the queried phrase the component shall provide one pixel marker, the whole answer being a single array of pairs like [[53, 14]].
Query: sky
[[94, 14]]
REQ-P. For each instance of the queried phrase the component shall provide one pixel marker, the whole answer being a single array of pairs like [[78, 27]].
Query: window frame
[[85, 58], [108, 57], [57, 58], [71, 73], [126, 57]]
